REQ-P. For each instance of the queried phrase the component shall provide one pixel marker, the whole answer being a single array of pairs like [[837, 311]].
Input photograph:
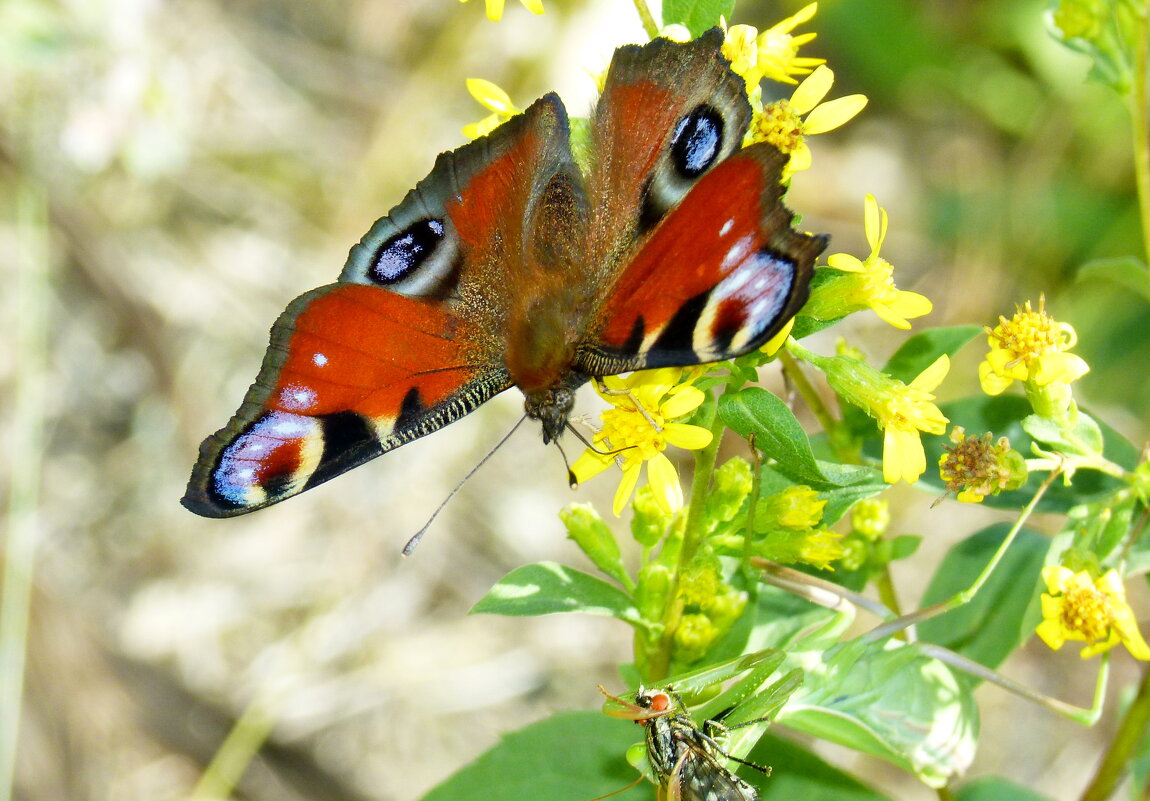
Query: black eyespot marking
[[406, 251], [697, 140]]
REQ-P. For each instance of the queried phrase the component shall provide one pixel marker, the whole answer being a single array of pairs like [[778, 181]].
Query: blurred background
[[173, 173]]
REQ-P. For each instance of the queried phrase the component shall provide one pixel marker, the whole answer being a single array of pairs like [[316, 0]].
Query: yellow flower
[[639, 427], [974, 468], [1030, 347], [779, 50], [495, 8], [874, 286], [495, 100], [1091, 611], [774, 53], [904, 413], [787, 123]]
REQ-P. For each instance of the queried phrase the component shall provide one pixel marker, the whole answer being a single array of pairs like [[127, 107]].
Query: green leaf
[[1128, 272], [545, 588], [992, 788], [1003, 416], [573, 756], [841, 499], [921, 350], [777, 433], [698, 15], [1084, 439], [796, 773], [990, 626], [888, 700]]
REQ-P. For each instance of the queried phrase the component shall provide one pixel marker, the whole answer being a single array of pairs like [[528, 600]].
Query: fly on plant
[[685, 759]]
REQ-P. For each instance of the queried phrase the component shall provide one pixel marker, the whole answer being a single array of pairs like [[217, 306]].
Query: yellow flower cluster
[[637, 429]]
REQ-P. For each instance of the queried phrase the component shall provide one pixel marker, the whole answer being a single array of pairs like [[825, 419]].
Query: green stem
[[30, 286], [649, 25], [1118, 758], [829, 423], [794, 373], [659, 662], [1140, 113], [238, 750], [961, 598]]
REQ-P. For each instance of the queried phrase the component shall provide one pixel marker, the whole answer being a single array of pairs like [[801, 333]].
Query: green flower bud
[[870, 518], [649, 523], [594, 538]]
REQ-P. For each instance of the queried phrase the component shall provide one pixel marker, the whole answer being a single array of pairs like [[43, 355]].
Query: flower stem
[[659, 662], [1116, 762], [798, 378], [1140, 113], [649, 25], [961, 598], [26, 439], [238, 750]]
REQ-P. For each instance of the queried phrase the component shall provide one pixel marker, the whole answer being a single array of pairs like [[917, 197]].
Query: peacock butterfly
[[510, 265]]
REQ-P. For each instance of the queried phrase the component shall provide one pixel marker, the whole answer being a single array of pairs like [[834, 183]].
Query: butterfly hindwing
[[720, 274]]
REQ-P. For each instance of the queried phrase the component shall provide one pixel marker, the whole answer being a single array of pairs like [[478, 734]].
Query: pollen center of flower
[[1030, 334], [1087, 611], [780, 126], [630, 428]]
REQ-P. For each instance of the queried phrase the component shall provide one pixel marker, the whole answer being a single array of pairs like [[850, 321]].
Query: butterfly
[[512, 264]]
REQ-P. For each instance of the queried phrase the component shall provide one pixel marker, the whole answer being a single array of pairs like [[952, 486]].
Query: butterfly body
[[511, 264]]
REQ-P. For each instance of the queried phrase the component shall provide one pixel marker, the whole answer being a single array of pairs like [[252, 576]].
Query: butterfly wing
[[699, 260], [720, 275], [406, 342]]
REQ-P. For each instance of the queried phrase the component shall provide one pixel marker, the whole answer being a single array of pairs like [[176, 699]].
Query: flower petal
[[590, 464], [872, 223], [626, 487], [800, 159], [772, 345], [687, 436], [494, 10], [889, 315], [830, 115], [932, 376], [845, 262], [664, 479], [813, 89], [911, 304], [681, 402], [491, 96], [534, 6]]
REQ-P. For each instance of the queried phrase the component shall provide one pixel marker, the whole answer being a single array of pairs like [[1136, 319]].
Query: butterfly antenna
[[572, 481], [414, 541]]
